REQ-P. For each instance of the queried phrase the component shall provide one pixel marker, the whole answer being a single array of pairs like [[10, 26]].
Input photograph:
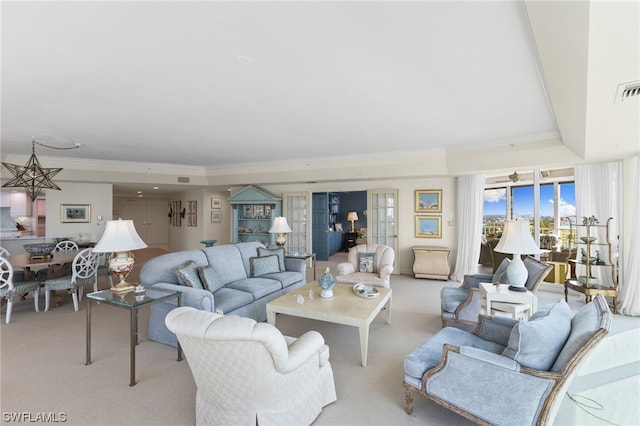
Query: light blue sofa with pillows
[[235, 279], [507, 372]]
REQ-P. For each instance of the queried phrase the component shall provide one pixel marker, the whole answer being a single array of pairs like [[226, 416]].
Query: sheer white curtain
[[599, 194], [630, 288], [469, 206]]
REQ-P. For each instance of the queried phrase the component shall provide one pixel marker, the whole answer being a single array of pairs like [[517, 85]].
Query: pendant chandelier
[[32, 176]]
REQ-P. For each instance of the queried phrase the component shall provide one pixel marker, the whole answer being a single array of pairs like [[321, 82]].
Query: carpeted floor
[[43, 366]]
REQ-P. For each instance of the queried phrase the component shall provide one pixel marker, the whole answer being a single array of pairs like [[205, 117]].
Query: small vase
[[326, 284]]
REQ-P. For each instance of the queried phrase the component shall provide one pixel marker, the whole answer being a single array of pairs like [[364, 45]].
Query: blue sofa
[[241, 293]]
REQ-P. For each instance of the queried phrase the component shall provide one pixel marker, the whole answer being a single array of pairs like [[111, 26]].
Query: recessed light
[[156, 187], [139, 192]]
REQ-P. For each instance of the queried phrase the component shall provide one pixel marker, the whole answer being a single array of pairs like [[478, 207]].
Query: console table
[[431, 262]]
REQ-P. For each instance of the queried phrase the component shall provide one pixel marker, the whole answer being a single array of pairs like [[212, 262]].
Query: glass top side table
[[131, 301]]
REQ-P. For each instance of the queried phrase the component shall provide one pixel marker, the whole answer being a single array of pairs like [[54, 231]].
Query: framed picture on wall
[[428, 227], [216, 217], [216, 203], [75, 213], [429, 201]]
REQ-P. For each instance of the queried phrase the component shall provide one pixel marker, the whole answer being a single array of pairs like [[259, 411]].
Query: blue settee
[[242, 292]]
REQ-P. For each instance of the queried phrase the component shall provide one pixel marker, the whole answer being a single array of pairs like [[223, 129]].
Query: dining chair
[[9, 289], [17, 275], [63, 246], [83, 272], [103, 270]]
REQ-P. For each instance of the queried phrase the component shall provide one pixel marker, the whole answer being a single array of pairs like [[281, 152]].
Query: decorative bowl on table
[[39, 249], [365, 291], [588, 239]]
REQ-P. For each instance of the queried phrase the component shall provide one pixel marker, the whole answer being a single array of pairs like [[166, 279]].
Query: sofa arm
[[385, 271], [473, 281], [346, 268], [295, 265], [304, 347], [194, 297], [470, 308]]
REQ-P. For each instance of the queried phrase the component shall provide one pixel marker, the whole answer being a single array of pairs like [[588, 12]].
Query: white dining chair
[[9, 289], [83, 272]]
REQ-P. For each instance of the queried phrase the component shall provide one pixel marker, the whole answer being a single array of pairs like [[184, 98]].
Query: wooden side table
[[518, 304], [431, 262]]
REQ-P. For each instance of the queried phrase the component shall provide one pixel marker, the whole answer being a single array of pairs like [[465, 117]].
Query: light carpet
[[43, 366]]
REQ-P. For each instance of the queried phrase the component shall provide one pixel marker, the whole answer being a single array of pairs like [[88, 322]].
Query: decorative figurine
[[327, 283]]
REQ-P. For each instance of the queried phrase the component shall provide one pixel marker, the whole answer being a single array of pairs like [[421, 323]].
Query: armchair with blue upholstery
[[460, 306], [507, 372]]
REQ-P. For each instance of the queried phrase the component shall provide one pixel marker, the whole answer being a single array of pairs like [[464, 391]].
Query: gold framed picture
[[429, 201], [428, 227]]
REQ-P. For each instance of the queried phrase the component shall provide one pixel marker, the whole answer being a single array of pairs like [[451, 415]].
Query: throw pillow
[[367, 262], [210, 278], [277, 251], [536, 343], [187, 274], [264, 265]]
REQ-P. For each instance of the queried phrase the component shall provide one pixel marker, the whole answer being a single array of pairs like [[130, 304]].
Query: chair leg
[[36, 299], [9, 308], [408, 400], [74, 295], [47, 298]]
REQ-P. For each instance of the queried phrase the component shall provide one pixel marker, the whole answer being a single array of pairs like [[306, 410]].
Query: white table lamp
[[281, 228], [119, 238], [517, 240]]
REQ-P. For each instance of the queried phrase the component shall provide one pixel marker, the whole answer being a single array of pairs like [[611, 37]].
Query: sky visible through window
[[495, 201]]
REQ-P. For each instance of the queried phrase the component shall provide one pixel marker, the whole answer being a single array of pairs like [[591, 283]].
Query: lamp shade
[[352, 216], [280, 226], [516, 239], [119, 235]]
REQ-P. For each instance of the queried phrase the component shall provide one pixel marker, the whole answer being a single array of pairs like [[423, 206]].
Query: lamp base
[[519, 289], [122, 289]]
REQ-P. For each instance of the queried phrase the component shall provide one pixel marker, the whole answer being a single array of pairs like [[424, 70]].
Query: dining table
[[59, 263], [30, 264]]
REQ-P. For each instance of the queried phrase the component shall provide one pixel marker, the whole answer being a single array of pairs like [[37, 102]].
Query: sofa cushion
[[187, 274], [277, 251], [536, 343], [229, 299], [210, 278], [263, 265], [428, 354], [256, 287], [367, 262], [286, 278], [228, 262]]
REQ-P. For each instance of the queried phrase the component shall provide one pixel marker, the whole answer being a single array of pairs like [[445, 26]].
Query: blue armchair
[[525, 367], [460, 306]]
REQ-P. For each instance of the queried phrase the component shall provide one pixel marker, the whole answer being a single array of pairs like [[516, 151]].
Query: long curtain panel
[[599, 194], [630, 289], [469, 206]]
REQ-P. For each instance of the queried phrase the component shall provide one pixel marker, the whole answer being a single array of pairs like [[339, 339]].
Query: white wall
[[98, 195], [406, 210], [188, 237]]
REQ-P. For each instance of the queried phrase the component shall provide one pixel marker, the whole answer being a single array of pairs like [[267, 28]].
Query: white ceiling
[[217, 84]]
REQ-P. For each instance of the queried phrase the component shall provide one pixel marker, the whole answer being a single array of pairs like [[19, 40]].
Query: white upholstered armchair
[[248, 373], [369, 264]]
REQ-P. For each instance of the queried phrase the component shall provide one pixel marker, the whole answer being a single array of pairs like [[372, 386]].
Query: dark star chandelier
[[32, 176]]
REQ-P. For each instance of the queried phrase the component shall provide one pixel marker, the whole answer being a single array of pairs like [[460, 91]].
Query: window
[[551, 211]]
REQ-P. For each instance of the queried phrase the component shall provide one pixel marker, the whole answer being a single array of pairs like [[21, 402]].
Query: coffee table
[[343, 308]]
